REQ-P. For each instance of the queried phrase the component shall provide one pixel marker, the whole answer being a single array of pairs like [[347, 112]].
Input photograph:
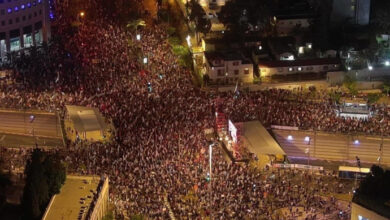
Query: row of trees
[[198, 16], [45, 174]]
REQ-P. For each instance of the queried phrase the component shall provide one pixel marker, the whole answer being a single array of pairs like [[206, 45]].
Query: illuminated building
[[23, 23]]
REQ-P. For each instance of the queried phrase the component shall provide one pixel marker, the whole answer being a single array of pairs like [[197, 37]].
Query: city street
[[337, 147], [21, 123]]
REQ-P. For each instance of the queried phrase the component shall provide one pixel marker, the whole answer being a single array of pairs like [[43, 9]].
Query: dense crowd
[[159, 149]]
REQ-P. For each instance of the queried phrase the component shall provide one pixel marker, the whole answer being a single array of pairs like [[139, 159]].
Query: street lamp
[[82, 14], [138, 37], [387, 63], [370, 67]]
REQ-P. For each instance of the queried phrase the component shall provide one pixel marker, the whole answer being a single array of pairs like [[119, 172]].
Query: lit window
[[353, 8], [301, 50]]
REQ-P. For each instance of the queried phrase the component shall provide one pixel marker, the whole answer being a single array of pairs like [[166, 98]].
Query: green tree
[[55, 174], [386, 88], [350, 84], [45, 175], [380, 15], [4, 183], [241, 16], [36, 190], [198, 16]]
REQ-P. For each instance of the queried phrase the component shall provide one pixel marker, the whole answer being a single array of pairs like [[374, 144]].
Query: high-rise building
[[23, 23], [353, 12]]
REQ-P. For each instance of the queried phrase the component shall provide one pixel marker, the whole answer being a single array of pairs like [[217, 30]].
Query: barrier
[[298, 166], [280, 127]]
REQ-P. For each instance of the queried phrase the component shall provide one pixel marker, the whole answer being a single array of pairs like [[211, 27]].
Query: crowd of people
[[159, 149]]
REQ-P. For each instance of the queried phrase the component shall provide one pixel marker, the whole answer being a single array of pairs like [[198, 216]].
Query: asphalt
[[19, 123], [334, 147]]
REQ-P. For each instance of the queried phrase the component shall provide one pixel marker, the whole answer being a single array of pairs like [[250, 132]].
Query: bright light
[[387, 63], [145, 60], [82, 14], [370, 67], [260, 47], [299, 68], [138, 37], [188, 38], [301, 50], [309, 45], [356, 142], [289, 138], [307, 138], [291, 57], [349, 68]]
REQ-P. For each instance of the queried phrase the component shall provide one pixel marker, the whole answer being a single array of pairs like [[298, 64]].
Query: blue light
[[16, 8], [29, 5], [9, 10], [34, 3], [39, 1], [22, 7]]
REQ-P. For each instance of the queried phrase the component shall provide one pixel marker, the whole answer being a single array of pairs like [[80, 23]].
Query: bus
[[346, 172]]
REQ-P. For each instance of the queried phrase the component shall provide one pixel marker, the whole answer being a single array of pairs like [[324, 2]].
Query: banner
[[280, 127]]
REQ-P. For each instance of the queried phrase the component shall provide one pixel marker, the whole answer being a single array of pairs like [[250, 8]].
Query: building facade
[[23, 23], [355, 12], [227, 68], [272, 68], [287, 25], [361, 213]]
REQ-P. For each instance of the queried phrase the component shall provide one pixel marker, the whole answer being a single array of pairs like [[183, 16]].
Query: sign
[[233, 131]]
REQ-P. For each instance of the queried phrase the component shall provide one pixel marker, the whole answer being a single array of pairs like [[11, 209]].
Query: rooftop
[[226, 56], [86, 119], [76, 195], [258, 139]]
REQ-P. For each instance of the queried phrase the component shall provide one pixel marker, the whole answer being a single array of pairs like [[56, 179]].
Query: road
[[336, 147], [19, 123]]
